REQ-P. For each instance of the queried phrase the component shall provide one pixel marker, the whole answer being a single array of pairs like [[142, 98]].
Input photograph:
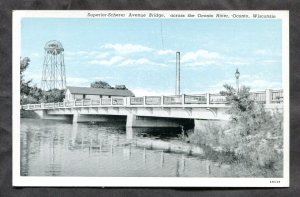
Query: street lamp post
[[237, 75]]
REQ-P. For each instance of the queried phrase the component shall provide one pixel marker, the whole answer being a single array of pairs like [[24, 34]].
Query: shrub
[[254, 133]]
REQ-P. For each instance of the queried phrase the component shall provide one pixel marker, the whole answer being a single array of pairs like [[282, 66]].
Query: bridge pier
[[41, 113], [144, 121]]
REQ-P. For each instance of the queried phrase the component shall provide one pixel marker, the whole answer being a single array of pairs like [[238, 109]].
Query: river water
[[58, 148]]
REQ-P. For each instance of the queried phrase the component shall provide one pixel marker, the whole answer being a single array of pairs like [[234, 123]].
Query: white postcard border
[[19, 180]]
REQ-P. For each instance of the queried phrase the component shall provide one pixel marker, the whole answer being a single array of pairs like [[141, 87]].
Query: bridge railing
[[268, 96], [31, 106], [259, 97], [24, 107], [265, 97], [136, 100], [117, 101], [69, 103], [277, 96], [87, 102], [38, 106], [96, 102], [48, 105], [106, 101], [171, 100], [216, 99], [153, 100], [79, 102], [195, 99]]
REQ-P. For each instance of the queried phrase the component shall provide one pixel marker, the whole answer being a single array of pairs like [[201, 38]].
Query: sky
[[141, 53]]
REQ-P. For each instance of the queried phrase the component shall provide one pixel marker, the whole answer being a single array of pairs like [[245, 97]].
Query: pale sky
[[140, 53]]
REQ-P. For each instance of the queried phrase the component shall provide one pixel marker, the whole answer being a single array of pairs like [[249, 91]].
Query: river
[[58, 148]]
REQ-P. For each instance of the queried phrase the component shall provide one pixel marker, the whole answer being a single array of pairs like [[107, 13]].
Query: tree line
[[31, 94]]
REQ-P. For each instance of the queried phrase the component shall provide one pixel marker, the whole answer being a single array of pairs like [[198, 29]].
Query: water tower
[[54, 75]]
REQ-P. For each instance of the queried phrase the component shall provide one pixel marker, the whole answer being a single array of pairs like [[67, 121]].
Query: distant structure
[[54, 75], [95, 93], [177, 87], [122, 87]]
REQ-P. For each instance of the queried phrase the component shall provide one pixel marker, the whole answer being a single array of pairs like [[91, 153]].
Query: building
[[95, 93]]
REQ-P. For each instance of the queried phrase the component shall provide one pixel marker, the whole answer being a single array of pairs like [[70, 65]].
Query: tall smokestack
[[177, 88]]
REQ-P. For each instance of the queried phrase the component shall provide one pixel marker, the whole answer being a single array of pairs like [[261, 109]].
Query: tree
[[24, 63], [53, 96], [247, 116], [24, 85], [101, 84], [34, 94], [255, 133]]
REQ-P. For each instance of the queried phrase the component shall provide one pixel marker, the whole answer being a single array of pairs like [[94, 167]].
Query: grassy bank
[[262, 151]]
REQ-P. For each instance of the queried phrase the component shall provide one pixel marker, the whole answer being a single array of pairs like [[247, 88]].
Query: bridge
[[151, 111]]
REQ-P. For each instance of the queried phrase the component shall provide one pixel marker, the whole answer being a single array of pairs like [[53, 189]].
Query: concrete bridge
[[150, 111]]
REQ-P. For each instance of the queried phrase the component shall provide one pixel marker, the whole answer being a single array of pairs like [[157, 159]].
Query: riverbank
[[219, 159], [170, 147], [259, 152], [218, 154]]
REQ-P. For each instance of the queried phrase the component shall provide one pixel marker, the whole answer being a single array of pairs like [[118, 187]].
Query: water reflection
[[130, 133], [54, 148], [144, 155], [153, 133]]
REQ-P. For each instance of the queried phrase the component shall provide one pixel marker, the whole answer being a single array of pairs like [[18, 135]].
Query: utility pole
[[177, 87], [237, 76]]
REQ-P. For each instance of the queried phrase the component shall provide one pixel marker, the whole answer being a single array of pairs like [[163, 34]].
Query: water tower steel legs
[[53, 76]]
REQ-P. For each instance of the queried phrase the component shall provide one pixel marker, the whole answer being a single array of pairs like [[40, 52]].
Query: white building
[[95, 93]]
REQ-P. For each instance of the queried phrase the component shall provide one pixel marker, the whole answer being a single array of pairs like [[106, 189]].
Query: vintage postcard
[[151, 98]]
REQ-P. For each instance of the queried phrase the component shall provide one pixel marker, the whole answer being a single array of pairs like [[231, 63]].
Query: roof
[[99, 91]]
